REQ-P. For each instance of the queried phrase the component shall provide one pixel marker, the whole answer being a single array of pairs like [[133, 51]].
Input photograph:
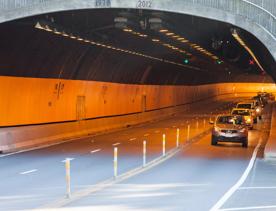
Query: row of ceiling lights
[[181, 39], [155, 40], [71, 36]]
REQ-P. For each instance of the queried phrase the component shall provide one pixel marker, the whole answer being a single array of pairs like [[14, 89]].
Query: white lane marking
[[116, 144], [132, 139], [253, 188], [94, 151], [174, 126], [157, 131], [63, 161], [233, 189], [249, 208], [146, 134], [28, 172]]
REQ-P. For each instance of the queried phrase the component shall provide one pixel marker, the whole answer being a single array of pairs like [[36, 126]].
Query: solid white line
[[116, 144], [249, 208], [146, 134], [132, 139], [233, 189], [28, 172], [94, 151], [249, 188], [67, 159]]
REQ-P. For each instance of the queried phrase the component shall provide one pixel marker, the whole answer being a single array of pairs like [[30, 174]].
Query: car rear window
[[247, 106], [230, 120], [241, 112]]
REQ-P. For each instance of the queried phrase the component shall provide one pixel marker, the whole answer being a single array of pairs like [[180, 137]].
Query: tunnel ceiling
[[129, 46]]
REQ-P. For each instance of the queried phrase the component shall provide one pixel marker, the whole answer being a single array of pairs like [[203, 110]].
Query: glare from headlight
[[258, 110], [248, 120], [242, 130], [216, 129]]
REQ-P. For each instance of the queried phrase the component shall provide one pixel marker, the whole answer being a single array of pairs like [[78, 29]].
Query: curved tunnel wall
[[26, 101]]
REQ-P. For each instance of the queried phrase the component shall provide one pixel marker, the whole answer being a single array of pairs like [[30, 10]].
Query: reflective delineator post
[[144, 153], [188, 133], [68, 178], [115, 162], [164, 145], [177, 137]]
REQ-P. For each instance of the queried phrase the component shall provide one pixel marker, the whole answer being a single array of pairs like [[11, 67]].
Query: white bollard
[[115, 162], [188, 133], [177, 137], [164, 145], [68, 178], [144, 153]]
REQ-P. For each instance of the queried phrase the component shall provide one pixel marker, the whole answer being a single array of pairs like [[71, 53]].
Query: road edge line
[[242, 179]]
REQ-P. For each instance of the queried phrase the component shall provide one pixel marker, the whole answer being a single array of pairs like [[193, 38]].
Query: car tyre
[[214, 141], [260, 117], [245, 143], [251, 127]]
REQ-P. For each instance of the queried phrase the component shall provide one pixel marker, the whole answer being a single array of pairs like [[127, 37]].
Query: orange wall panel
[[27, 101]]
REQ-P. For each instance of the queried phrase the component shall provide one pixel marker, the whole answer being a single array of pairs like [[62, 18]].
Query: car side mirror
[[211, 122]]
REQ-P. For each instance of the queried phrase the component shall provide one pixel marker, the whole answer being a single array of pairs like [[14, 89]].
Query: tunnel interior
[[130, 47]]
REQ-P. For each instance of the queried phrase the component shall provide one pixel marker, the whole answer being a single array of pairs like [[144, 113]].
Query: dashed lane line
[[94, 151], [28, 172], [116, 144], [132, 139]]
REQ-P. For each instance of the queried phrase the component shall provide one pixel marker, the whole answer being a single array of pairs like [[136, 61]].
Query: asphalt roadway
[[196, 178]]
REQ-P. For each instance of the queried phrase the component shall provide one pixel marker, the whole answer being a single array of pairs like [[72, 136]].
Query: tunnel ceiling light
[[163, 30], [169, 34], [183, 40], [46, 28], [155, 40], [242, 43]]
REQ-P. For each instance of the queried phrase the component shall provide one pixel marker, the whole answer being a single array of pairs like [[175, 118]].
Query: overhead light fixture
[[163, 30]]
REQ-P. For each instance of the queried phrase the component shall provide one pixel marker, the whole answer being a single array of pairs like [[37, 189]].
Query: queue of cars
[[234, 126]]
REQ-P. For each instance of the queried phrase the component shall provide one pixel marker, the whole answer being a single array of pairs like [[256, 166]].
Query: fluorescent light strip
[[118, 49]]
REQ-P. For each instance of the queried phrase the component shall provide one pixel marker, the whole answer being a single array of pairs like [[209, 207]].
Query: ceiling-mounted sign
[[103, 3], [144, 4]]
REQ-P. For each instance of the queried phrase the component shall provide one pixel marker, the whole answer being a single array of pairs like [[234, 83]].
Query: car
[[249, 106], [247, 114], [271, 96], [264, 96], [257, 107], [229, 128], [260, 100]]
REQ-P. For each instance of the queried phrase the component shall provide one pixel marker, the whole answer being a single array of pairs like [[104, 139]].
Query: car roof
[[246, 102], [240, 109]]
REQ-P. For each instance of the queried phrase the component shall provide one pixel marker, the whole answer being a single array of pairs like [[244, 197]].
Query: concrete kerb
[[270, 148], [120, 178]]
